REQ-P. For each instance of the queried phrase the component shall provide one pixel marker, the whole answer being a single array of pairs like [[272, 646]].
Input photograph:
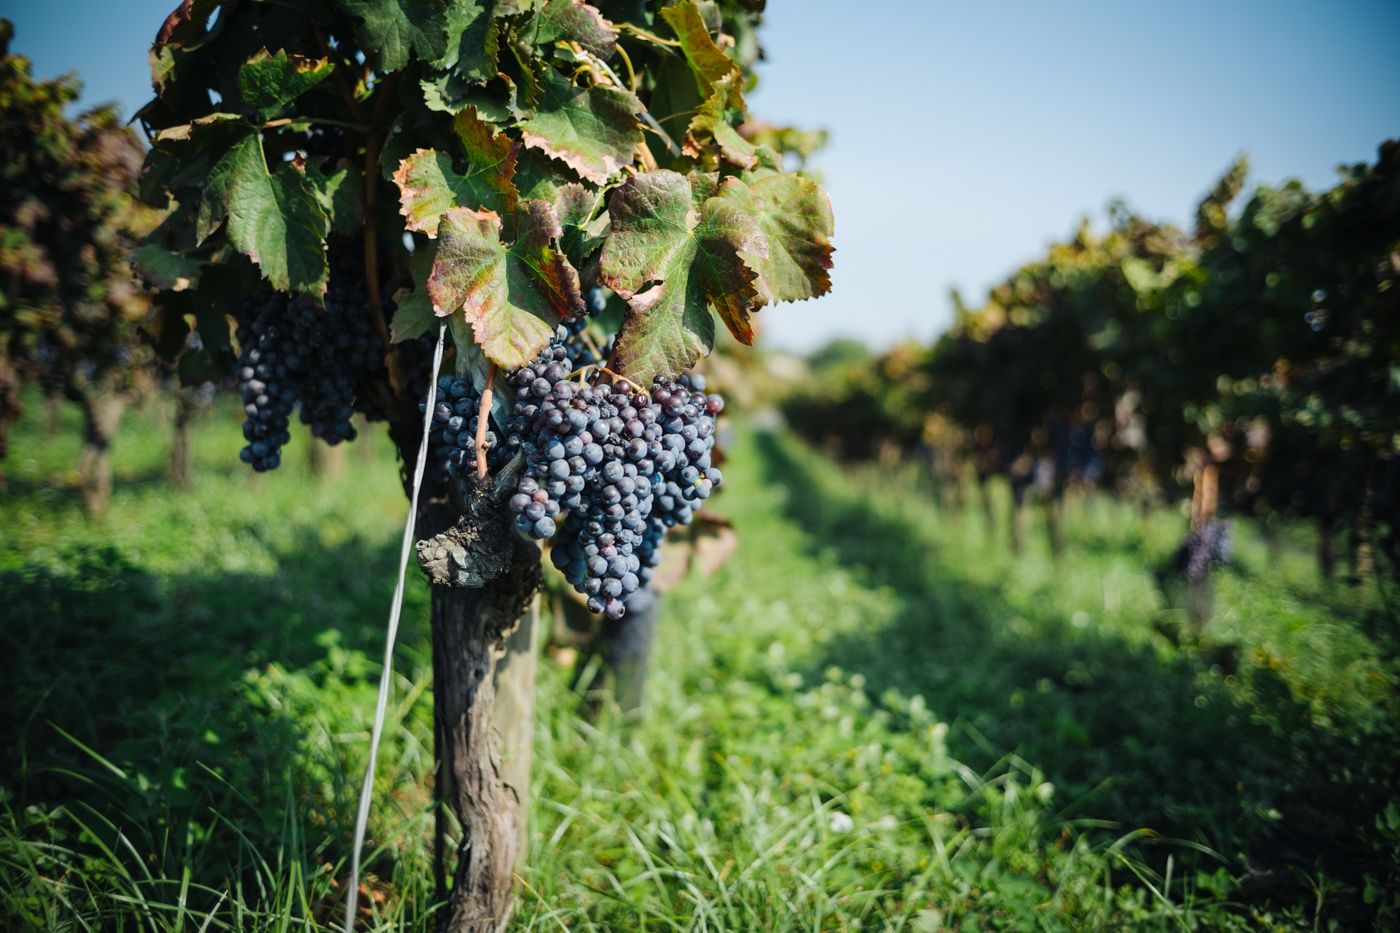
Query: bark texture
[[182, 446], [626, 648], [515, 715], [469, 626], [101, 415]]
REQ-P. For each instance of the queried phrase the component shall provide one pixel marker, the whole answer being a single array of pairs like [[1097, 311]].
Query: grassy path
[[871, 718]]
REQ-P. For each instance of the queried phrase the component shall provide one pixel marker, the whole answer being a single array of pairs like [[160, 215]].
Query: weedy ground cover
[[872, 718]]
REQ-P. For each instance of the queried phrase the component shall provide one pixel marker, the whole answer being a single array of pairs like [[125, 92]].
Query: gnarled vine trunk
[[101, 415], [468, 627], [471, 629], [182, 445], [515, 714]]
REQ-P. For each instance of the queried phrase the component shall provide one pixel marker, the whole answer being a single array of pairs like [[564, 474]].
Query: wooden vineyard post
[[515, 714], [1204, 496]]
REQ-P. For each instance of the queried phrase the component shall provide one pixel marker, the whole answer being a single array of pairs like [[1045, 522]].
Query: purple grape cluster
[[295, 350], [266, 369], [1211, 543], [608, 469], [338, 345], [452, 442]]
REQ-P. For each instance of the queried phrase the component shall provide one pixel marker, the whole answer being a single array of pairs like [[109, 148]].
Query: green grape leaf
[[473, 41], [339, 195], [583, 226], [166, 270], [273, 218], [413, 314], [594, 131], [428, 184], [513, 295], [392, 30], [795, 217], [671, 260], [267, 83], [707, 60], [711, 125], [703, 186], [769, 162], [676, 98], [576, 21]]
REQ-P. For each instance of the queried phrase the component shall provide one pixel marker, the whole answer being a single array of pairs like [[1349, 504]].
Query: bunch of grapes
[[1211, 543], [297, 351], [452, 441], [618, 464], [339, 345], [267, 368]]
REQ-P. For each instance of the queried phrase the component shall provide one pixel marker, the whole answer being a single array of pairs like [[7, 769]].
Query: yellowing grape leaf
[[428, 184], [671, 260], [706, 59], [593, 130], [795, 216], [513, 295], [711, 124]]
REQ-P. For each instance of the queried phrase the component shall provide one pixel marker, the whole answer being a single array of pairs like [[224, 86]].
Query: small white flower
[[841, 823]]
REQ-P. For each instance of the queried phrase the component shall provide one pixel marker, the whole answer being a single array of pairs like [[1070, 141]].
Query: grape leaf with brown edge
[[577, 209], [711, 125], [273, 218], [513, 295], [795, 216], [267, 83], [593, 130], [671, 261], [576, 21], [707, 60], [428, 184]]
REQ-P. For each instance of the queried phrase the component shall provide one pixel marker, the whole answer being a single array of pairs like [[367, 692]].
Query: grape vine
[[577, 190]]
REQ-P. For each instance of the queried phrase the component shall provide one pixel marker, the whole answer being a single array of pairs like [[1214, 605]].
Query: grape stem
[[483, 416], [590, 343], [598, 366], [648, 36]]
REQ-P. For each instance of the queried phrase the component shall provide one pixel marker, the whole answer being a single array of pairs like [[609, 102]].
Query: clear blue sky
[[967, 136]]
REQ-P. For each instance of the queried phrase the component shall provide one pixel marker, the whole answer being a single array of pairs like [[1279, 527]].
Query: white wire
[[385, 677]]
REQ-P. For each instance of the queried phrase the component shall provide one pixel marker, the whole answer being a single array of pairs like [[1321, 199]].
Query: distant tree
[[70, 308], [838, 352]]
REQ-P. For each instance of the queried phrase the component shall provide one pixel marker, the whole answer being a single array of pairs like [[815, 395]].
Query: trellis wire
[[386, 675]]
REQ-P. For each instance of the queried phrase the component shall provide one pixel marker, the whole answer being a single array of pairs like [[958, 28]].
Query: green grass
[[873, 718]]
